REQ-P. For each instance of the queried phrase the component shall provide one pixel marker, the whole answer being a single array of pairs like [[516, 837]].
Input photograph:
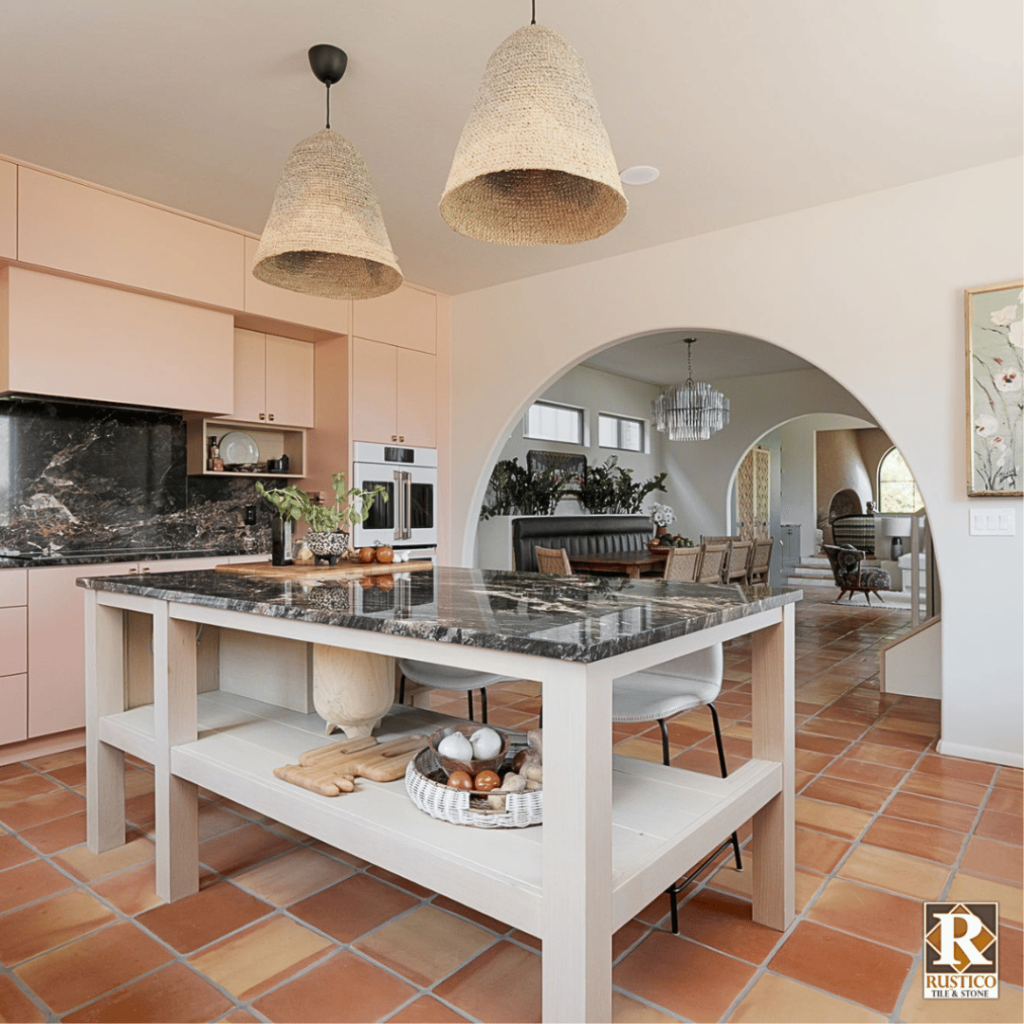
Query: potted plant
[[324, 533], [514, 490], [609, 488]]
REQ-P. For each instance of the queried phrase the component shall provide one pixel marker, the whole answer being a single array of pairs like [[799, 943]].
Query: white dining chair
[[445, 677]]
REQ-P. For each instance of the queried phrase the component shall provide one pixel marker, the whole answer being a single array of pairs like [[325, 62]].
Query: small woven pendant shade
[[534, 165], [325, 235]]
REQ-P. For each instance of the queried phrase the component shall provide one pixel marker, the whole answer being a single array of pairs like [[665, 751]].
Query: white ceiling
[[750, 108]]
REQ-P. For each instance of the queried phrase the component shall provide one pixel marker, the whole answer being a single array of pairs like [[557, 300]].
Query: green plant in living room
[[515, 491], [609, 488]]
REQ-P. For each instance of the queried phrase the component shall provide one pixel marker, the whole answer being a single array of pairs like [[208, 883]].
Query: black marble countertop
[[28, 560], [578, 618]]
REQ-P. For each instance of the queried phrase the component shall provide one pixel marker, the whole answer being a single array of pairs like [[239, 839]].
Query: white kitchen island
[[616, 831]]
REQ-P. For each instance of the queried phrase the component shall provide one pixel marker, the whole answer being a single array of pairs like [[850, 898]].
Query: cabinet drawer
[[84, 230], [13, 641], [13, 708], [13, 587]]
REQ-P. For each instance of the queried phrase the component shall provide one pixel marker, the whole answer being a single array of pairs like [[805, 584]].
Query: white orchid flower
[[1005, 316], [985, 425], [1009, 380]]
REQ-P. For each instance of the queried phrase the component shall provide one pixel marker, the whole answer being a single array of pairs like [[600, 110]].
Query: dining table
[[633, 564]]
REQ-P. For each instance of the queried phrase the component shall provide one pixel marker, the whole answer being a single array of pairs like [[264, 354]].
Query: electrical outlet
[[250, 515]]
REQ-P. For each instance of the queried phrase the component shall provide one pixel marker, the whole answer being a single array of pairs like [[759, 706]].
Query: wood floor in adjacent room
[[286, 928]]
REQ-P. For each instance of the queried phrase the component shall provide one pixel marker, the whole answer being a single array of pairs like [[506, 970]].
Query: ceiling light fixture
[[641, 174], [325, 234], [690, 411], [534, 165]]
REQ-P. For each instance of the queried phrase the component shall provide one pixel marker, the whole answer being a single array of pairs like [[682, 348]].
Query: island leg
[[175, 721], [577, 855], [104, 695], [774, 884]]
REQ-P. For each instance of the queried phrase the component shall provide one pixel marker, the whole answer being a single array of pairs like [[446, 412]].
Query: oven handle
[[406, 506]]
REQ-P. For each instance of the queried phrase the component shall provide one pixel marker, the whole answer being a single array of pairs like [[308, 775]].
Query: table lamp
[[896, 528]]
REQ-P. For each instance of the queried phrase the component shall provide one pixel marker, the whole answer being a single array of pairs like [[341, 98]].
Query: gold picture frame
[[994, 377]]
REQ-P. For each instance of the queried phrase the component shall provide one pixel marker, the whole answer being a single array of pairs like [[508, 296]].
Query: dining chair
[[681, 565], [445, 677], [760, 557], [658, 694], [737, 564], [554, 561], [712, 562]]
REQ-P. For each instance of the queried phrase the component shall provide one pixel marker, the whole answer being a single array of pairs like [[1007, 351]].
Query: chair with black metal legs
[[658, 694], [444, 677]]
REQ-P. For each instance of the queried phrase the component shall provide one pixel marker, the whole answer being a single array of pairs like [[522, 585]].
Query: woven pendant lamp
[[534, 165], [325, 234]]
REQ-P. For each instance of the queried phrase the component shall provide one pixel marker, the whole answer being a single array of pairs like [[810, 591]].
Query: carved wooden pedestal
[[352, 690]]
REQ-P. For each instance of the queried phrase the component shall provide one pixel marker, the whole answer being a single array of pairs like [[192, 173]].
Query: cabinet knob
[[394, 437], [401, 437], [263, 415], [271, 416]]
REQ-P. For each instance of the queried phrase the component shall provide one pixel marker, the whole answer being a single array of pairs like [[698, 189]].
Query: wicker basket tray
[[425, 782]]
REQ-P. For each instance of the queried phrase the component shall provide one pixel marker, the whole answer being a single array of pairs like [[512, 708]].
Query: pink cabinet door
[[250, 376], [289, 382], [13, 708], [13, 642], [56, 645], [416, 398], [373, 391], [406, 318]]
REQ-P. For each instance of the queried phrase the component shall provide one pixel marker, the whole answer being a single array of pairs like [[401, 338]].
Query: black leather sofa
[[579, 535]]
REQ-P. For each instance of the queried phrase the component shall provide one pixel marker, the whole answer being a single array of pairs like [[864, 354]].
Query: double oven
[[407, 521]]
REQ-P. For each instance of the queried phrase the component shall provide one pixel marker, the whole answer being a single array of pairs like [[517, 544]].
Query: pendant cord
[[533, 19], [328, 104]]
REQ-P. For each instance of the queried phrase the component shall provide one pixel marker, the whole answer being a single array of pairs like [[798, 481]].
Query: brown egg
[[366, 554], [486, 781], [460, 780], [518, 760]]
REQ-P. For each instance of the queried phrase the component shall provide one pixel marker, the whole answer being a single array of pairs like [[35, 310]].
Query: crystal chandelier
[[691, 411]]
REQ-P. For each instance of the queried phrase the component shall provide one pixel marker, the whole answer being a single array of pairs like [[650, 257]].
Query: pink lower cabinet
[[13, 656], [56, 645]]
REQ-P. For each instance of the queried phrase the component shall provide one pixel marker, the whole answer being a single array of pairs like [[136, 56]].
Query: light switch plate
[[993, 522]]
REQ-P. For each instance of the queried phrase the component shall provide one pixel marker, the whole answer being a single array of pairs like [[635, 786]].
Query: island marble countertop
[[576, 618]]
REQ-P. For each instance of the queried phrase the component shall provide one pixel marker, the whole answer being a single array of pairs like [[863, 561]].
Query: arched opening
[[896, 487]]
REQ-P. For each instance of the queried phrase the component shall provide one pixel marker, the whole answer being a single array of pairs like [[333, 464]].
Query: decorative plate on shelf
[[238, 447]]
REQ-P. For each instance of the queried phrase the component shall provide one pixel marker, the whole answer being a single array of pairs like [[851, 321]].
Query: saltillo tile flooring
[[286, 928]]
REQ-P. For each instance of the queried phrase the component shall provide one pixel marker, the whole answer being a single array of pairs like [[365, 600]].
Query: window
[[546, 421], [620, 432], [897, 490]]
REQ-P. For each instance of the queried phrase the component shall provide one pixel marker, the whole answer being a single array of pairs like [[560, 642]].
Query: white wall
[[873, 281]]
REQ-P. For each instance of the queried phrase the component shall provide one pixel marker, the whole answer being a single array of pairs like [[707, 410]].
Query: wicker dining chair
[[712, 562], [737, 565], [554, 561], [682, 564], [760, 558]]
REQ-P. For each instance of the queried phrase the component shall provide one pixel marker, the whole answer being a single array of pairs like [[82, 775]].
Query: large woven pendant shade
[[534, 165], [325, 235]]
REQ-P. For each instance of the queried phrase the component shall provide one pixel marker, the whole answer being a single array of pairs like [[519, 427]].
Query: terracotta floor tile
[[801, 780], [988, 857], [896, 872], [740, 883], [1010, 778], [215, 820], [34, 929], [83, 970], [16, 1006], [1007, 801], [56, 835], [821, 744], [693, 760], [844, 791], [882, 917], [502, 984], [967, 887], [1011, 955], [906, 724], [131, 891], [402, 883], [845, 822], [629, 1011], [87, 866], [292, 877], [242, 848], [13, 852], [140, 811], [628, 935], [819, 852], [1007, 828], [943, 788], [812, 761], [844, 965], [352, 907], [48, 762], [70, 775], [427, 1010], [876, 753], [345, 988], [646, 750], [861, 771], [928, 811], [956, 768], [830, 727], [148, 999], [12, 771], [260, 957], [23, 787], [724, 922], [425, 945], [205, 917], [652, 970], [474, 915], [137, 782], [775, 1000], [914, 838], [915, 1009], [893, 738], [30, 882], [240, 1017]]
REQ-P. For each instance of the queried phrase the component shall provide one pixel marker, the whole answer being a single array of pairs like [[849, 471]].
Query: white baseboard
[[1012, 760]]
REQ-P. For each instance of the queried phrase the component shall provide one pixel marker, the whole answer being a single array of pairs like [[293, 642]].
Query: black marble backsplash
[[80, 479]]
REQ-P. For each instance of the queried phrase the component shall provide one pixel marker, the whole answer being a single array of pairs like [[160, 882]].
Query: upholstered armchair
[[852, 576]]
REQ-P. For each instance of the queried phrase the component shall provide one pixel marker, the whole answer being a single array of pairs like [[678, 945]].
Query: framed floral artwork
[[995, 390]]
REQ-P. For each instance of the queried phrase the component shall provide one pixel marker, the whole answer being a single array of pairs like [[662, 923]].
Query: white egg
[[455, 745], [486, 743]]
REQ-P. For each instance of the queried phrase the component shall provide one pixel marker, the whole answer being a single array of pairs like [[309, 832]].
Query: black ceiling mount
[[328, 63]]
